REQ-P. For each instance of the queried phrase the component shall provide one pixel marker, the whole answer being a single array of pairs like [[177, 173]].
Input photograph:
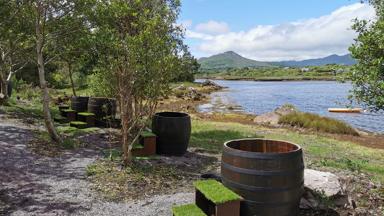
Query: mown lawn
[[320, 151]]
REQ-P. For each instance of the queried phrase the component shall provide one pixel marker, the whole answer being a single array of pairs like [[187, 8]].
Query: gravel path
[[35, 185]]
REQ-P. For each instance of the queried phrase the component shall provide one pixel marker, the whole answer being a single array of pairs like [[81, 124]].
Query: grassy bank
[[320, 150]]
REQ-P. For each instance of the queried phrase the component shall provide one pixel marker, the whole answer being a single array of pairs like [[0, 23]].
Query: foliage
[[13, 42], [317, 123], [368, 75], [215, 191], [102, 83], [327, 72], [139, 44], [187, 69], [187, 210]]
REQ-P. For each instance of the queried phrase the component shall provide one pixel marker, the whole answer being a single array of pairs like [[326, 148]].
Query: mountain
[[332, 59], [229, 59]]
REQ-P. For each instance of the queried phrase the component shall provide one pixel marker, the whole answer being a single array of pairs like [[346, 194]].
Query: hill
[[332, 59], [229, 59]]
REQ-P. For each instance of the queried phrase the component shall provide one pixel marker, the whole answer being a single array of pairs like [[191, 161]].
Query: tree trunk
[[43, 84], [125, 113], [3, 91], [71, 78]]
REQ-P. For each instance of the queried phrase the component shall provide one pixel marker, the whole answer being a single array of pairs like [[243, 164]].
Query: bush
[[317, 123]]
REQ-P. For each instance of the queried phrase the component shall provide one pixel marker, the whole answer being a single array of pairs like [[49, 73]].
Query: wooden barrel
[[102, 107], [173, 131], [79, 104], [268, 174]]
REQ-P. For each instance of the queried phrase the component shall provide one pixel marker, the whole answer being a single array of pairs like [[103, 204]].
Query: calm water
[[308, 96]]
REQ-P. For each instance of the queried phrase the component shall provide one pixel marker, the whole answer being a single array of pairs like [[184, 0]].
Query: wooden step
[[187, 210]]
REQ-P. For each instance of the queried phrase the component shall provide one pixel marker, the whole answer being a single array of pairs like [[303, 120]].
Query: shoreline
[[277, 79]]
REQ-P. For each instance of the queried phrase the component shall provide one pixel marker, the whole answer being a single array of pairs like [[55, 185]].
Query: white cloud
[[311, 38], [212, 27], [186, 23]]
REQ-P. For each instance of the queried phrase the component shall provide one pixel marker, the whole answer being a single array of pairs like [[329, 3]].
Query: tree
[[140, 45], [73, 49], [188, 67], [49, 20], [368, 74], [12, 45]]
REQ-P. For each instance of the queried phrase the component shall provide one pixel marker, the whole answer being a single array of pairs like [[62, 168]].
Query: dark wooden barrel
[[102, 107], [79, 104], [268, 174], [173, 131]]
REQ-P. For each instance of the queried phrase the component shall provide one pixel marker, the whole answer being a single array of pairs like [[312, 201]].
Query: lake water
[[308, 96]]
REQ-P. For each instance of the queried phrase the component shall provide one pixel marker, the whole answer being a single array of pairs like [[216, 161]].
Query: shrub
[[317, 123]]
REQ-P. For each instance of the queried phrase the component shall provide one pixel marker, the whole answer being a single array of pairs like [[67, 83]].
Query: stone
[[323, 182]]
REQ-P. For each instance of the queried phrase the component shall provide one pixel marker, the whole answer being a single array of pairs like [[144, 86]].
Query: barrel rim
[[182, 115], [82, 97], [226, 147]]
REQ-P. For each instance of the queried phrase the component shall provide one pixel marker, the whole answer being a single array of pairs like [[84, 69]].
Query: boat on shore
[[345, 110]]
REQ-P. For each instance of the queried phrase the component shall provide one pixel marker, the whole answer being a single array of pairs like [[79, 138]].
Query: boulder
[[322, 182], [272, 118], [321, 188]]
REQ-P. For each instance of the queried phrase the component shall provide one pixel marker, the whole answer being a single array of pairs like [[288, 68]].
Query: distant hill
[[231, 59], [332, 59]]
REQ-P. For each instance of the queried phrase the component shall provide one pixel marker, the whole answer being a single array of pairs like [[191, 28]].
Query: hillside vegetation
[[328, 72], [231, 59]]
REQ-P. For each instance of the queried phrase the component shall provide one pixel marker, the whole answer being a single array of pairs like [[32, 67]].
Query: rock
[[180, 87], [213, 85], [323, 182], [272, 118], [320, 189]]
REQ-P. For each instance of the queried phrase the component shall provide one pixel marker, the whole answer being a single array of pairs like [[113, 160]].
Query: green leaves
[[368, 75]]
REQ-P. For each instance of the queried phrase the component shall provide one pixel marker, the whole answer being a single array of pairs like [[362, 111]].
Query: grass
[[86, 114], [319, 150], [145, 134], [187, 210], [215, 191], [317, 123]]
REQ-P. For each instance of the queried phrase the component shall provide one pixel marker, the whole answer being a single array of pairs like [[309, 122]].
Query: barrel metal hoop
[[257, 189], [262, 156], [262, 173]]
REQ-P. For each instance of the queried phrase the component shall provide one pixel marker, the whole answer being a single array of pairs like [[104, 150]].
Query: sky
[[271, 30]]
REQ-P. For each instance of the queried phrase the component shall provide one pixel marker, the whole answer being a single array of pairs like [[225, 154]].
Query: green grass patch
[[86, 114], [319, 150], [317, 123], [187, 210], [215, 191], [145, 134]]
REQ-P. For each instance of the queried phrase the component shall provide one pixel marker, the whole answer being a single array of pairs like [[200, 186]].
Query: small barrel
[[102, 107], [173, 131], [79, 104], [268, 174]]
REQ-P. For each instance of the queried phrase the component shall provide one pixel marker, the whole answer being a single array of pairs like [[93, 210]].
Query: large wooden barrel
[[173, 131], [268, 174], [79, 104], [102, 107]]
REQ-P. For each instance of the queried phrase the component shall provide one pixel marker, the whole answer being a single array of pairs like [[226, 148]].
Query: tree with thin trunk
[[49, 21], [13, 45], [140, 45]]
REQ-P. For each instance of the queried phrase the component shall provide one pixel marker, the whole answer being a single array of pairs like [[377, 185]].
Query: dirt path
[[35, 185]]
